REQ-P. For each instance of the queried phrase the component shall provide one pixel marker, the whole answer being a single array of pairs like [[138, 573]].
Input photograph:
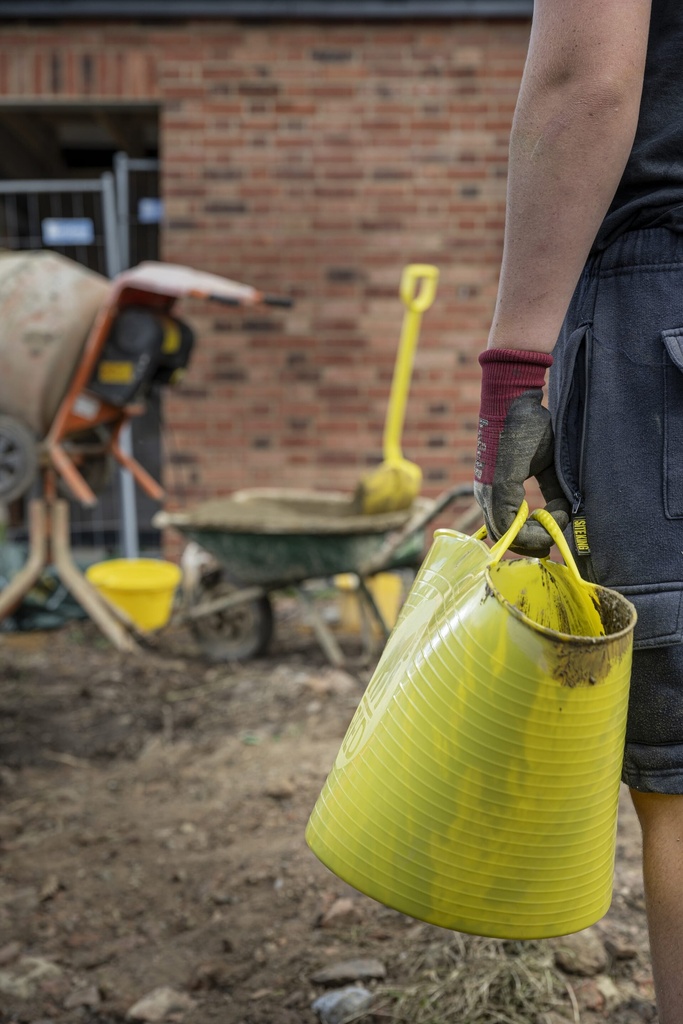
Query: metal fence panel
[[82, 220], [28, 207], [139, 208]]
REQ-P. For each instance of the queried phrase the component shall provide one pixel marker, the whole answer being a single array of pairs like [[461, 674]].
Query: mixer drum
[[48, 304]]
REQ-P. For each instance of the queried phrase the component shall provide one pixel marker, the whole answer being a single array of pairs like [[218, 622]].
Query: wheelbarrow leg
[[102, 614], [324, 636], [372, 605], [14, 592], [365, 596], [368, 635]]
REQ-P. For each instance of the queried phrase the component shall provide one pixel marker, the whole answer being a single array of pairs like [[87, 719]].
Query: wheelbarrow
[[264, 540]]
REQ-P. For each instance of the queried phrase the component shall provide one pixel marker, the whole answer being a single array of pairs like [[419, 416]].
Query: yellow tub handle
[[504, 542], [501, 546], [550, 525], [546, 520]]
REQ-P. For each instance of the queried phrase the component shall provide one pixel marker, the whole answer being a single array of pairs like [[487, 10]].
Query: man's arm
[[571, 137], [572, 133]]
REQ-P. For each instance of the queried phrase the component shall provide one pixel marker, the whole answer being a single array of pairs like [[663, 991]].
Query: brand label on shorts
[[581, 535]]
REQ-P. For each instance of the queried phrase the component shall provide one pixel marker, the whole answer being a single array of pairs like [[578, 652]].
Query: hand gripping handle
[[556, 535]]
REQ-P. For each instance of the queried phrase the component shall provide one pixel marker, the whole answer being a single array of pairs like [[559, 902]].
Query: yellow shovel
[[396, 483]]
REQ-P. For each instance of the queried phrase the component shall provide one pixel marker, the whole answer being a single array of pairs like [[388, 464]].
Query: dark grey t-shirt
[[651, 189]]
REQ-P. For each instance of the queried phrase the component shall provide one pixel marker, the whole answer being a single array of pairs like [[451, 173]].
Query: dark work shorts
[[616, 395]]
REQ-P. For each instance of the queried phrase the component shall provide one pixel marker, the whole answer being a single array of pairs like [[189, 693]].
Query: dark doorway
[[84, 181]]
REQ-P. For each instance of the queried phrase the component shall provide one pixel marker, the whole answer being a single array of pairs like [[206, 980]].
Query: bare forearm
[[556, 203], [572, 134]]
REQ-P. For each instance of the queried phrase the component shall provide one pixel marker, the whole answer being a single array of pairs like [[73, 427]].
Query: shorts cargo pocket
[[659, 614], [673, 423]]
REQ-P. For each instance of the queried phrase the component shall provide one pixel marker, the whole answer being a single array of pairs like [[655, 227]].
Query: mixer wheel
[[18, 459]]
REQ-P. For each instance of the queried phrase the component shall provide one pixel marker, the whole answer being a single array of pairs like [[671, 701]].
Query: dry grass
[[469, 980]]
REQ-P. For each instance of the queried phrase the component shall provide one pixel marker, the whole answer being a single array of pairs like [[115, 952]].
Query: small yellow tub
[[143, 588], [387, 591]]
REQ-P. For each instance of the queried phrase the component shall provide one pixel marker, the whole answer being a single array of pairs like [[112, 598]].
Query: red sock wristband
[[507, 372]]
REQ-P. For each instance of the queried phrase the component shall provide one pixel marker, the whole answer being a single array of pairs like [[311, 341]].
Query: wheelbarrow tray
[[271, 537]]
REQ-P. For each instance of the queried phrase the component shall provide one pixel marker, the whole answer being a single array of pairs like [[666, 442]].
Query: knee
[[658, 812]]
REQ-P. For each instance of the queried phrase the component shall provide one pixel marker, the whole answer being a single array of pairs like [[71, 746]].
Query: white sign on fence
[[68, 231], [150, 210]]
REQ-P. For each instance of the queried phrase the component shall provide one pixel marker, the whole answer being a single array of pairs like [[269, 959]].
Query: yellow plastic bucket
[[387, 590], [478, 782], [141, 587]]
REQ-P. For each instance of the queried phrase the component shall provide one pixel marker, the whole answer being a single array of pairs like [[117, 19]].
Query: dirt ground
[[152, 823]]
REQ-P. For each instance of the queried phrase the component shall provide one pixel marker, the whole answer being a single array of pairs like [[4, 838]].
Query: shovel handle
[[418, 286], [417, 291]]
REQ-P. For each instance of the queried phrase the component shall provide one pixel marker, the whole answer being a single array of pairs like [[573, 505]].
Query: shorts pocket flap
[[674, 346], [659, 614]]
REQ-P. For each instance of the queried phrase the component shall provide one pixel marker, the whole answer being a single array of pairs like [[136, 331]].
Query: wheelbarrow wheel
[[18, 459], [237, 633]]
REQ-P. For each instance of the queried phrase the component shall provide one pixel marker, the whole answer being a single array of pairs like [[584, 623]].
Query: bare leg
[[661, 819]]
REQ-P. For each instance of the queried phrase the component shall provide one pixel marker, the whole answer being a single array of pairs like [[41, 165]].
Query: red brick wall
[[313, 160]]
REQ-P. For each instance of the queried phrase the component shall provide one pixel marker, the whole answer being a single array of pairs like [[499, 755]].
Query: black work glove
[[515, 442]]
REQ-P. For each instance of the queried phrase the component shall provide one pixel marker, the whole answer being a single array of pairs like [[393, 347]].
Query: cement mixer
[[78, 356], [78, 353]]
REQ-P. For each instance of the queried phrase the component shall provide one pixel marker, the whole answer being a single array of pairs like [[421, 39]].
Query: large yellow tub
[[477, 785]]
